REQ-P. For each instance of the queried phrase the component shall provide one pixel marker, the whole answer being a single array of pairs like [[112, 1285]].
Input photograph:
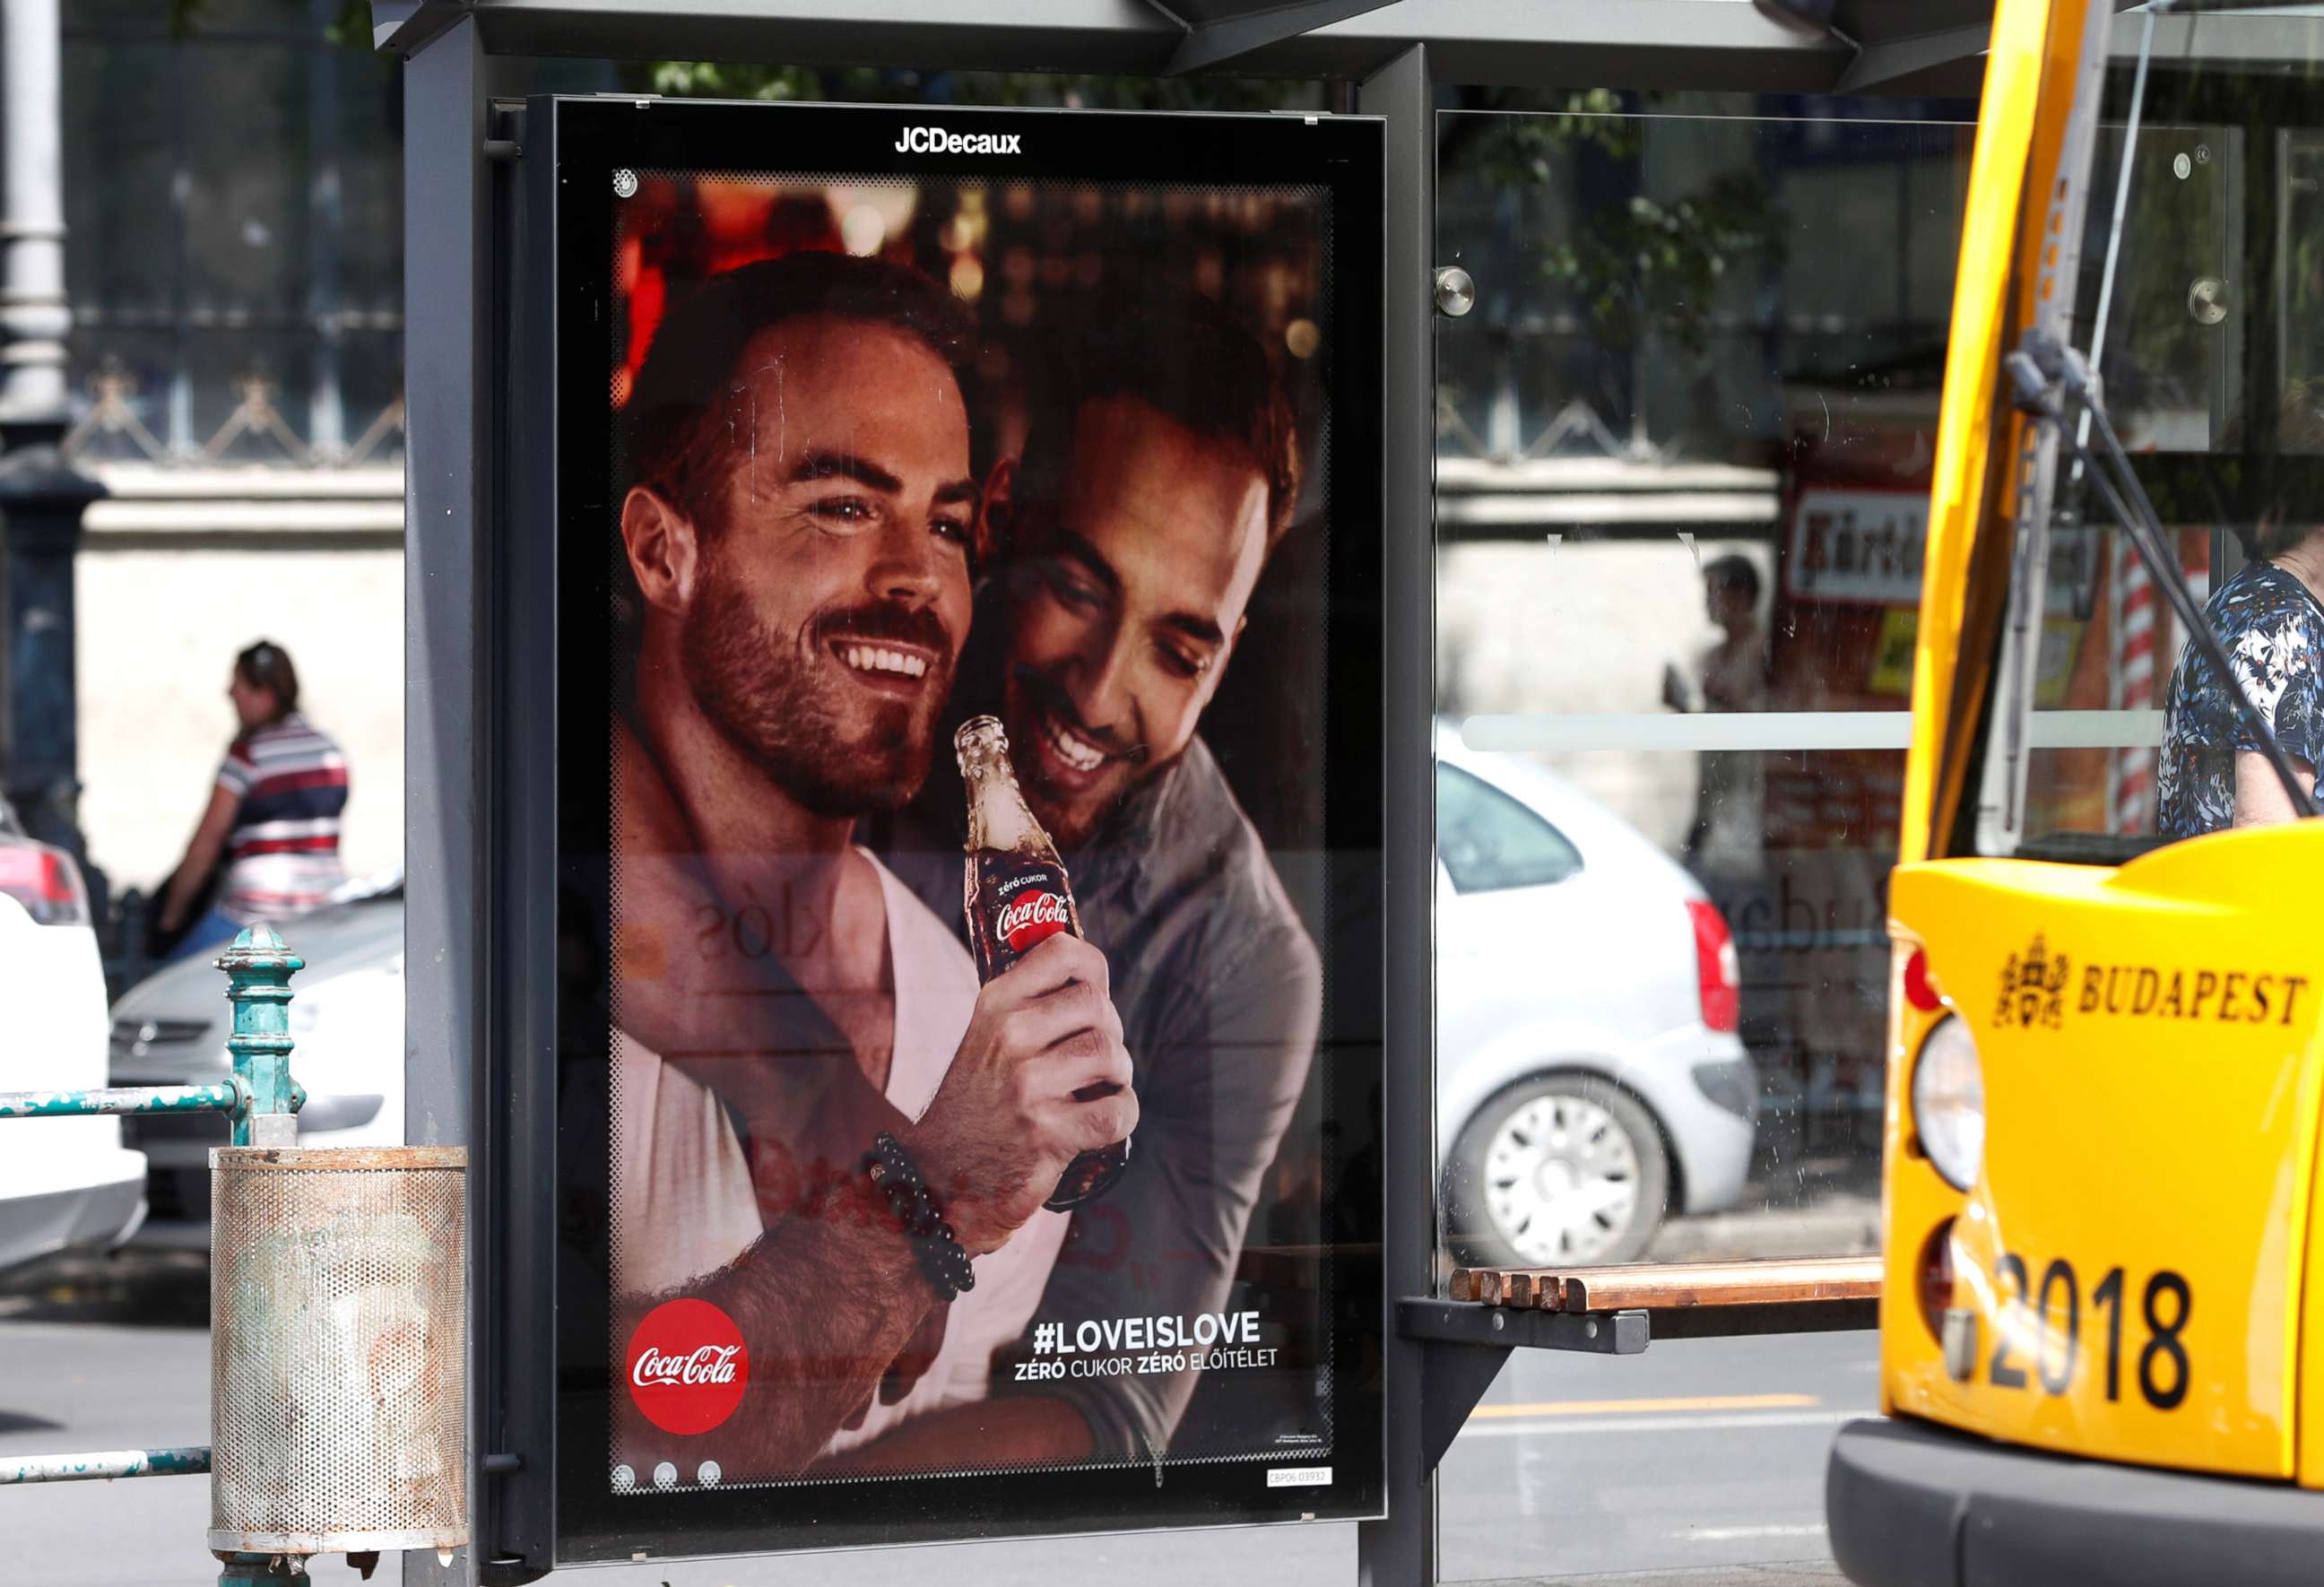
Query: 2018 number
[[2163, 1370]]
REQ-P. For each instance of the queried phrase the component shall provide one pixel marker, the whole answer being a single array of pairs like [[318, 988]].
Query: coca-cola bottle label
[[1021, 902], [688, 1366]]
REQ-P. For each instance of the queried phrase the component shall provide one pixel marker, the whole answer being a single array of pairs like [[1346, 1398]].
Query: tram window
[[2116, 734]]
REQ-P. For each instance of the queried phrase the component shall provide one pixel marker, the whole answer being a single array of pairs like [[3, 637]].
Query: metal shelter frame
[[468, 874]]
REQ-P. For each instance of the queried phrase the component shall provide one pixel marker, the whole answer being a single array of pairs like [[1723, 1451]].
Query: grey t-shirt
[[1220, 990]]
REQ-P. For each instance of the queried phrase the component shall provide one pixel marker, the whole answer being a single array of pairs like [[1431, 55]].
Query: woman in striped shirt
[[274, 816]]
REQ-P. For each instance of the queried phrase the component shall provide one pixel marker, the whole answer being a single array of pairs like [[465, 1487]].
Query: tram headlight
[[1948, 1103]]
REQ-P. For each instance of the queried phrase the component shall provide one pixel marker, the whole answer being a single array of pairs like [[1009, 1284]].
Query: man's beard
[[837, 757]]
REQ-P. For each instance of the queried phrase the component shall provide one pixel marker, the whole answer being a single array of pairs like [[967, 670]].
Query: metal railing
[[262, 1101], [255, 430]]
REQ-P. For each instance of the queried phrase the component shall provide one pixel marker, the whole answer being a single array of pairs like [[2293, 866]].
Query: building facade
[[235, 372]]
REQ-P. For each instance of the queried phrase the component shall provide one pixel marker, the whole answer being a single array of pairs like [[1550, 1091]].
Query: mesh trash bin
[[338, 1349]]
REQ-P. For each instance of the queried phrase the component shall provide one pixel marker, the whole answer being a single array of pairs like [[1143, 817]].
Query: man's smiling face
[[833, 595], [1125, 600]]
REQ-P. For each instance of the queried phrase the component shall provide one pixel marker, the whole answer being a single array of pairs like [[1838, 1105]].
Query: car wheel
[[1565, 1171]]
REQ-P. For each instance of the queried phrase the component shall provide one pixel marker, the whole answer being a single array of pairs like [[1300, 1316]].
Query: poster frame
[[556, 1508]]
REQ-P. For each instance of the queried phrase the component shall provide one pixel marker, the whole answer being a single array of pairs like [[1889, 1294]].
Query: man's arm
[[827, 1298], [2260, 799], [1216, 1098], [1213, 1104], [824, 1305]]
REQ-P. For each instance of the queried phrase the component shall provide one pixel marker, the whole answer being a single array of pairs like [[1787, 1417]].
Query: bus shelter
[[511, 296]]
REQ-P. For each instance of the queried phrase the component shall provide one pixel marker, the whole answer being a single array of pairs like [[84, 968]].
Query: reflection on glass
[[1588, 1062], [1729, 675], [1683, 467], [226, 308]]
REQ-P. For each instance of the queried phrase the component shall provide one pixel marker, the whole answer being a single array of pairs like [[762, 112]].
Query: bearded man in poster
[[794, 545]]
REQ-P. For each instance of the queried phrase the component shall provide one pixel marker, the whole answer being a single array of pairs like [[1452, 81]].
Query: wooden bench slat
[[1762, 1281]]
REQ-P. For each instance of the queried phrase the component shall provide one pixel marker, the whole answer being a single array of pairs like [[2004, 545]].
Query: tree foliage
[[1644, 266], [1640, 267]]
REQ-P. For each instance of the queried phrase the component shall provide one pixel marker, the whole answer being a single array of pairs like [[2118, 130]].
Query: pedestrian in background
[[273, 815], [1729, 834]]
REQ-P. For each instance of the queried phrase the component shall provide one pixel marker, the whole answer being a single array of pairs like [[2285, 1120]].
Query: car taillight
[[1716, 973], [46, 881]]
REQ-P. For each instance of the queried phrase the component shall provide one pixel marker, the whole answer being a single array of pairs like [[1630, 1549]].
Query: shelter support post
[[1400, 1551], [448, 306]]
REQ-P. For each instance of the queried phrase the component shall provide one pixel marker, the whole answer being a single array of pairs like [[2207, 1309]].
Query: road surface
[[1697, 1464]]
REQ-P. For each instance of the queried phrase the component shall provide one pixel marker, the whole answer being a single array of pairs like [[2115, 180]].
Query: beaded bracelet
[[894, 1175]]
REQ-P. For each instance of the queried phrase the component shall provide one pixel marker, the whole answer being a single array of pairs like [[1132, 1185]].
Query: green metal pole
[[264, 1101], [104, 1466], [127, 1099], [258, 970]]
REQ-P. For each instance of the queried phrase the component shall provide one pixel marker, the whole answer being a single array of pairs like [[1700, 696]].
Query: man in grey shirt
[[1156, 475]]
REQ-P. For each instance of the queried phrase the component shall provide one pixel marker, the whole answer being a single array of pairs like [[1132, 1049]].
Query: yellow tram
[[2102, 1325]]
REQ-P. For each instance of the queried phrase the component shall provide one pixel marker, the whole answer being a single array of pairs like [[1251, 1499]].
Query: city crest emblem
[[2032, 988]]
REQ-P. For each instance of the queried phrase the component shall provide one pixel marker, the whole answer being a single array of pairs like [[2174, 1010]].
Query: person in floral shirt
[[2270, 621]]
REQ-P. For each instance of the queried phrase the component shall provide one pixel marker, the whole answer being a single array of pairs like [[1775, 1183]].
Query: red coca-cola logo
[[688, 1366], [1029, 917]]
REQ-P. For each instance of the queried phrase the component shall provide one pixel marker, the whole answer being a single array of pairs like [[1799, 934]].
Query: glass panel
[[1683, 469], [1682, 463], [1134, 344], [367, 125], [200, 278], [245, 219], [118, 170]]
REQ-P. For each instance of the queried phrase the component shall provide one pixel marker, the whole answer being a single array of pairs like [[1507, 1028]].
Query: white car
[[1589, 1076], [347, 1022], [64, 1183]]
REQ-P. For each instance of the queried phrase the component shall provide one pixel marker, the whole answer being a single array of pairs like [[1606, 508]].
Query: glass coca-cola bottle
[[1016, 893]]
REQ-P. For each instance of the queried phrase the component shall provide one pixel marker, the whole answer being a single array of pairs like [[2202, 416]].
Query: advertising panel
[[968, 530]]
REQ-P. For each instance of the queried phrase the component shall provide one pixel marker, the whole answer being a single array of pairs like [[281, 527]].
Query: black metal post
[[41, 499], [1401, 1550], [449, 304]]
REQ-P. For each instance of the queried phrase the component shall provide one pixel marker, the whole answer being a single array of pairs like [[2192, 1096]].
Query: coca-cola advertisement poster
[[968, 702]]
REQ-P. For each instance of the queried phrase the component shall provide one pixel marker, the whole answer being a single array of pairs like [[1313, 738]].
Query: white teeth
[[874, 658], [1075, 752]]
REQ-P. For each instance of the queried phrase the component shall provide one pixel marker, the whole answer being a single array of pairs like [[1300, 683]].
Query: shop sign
[[1864, 546]]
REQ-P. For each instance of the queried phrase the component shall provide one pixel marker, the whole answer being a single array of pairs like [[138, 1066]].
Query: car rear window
[[1488, 840]]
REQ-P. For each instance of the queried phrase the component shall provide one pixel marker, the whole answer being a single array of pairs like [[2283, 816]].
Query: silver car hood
[[171, 1027]]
